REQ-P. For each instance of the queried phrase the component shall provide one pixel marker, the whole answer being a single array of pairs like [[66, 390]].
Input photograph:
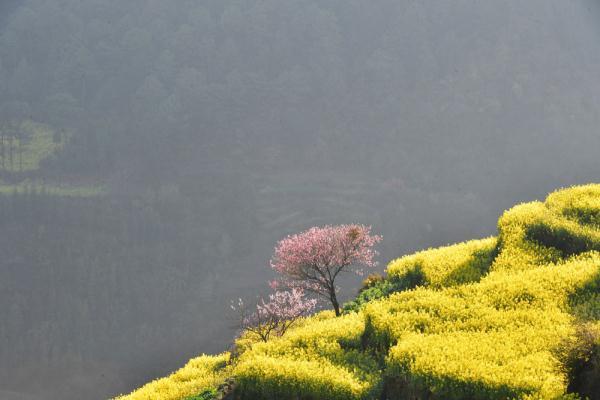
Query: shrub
[[580, 357], [371, 280], [384, 288]]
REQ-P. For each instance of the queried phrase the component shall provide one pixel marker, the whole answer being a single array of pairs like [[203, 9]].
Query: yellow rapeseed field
[[483, 322], [198, 375]]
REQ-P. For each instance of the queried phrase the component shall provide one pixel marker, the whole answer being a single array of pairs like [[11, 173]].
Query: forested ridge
[[152, 89], [6, 8], [151, 154]]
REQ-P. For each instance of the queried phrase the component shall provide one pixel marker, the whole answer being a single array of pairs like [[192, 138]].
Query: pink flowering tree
[[312, 260], [275, 316]]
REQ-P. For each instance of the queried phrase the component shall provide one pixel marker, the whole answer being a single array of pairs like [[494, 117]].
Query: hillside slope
[[515, 316]]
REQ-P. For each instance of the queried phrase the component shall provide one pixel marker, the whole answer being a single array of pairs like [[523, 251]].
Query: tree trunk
[[334, 302], [10, 151], [21, 154], [3, 152]]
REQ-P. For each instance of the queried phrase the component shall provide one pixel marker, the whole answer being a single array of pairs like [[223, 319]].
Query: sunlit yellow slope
[[477, 320]]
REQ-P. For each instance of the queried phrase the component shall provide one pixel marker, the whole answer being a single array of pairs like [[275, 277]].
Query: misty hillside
[[150, 90], [153, 152], [514, 316]]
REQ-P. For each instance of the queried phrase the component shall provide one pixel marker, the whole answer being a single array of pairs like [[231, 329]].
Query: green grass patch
[[24, 146], [52, 189]]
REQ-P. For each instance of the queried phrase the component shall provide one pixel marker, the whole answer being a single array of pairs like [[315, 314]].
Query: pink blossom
[[277, 314], [313, 259]]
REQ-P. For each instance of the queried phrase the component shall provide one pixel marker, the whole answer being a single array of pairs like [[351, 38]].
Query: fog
[[153, 152]]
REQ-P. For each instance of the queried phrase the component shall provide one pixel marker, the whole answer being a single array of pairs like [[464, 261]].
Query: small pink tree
[[312, 260], [275, 316]]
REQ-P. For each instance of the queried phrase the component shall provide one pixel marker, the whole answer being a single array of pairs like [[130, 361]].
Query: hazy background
[[165, 146]]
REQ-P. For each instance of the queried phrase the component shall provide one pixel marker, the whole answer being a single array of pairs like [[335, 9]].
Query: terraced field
[[512, 316]]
